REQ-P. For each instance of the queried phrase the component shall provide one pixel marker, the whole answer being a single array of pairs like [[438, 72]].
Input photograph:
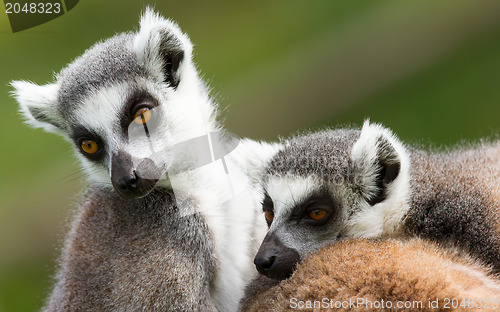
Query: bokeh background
[[428, 69]]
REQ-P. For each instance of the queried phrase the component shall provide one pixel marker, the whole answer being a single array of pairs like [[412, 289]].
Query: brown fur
[[390, 270]]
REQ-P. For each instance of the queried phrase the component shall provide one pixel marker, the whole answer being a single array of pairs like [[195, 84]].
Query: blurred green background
[[430, 70]]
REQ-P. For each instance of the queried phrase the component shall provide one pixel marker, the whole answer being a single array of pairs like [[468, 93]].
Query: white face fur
[[360, 191], [94, 102]]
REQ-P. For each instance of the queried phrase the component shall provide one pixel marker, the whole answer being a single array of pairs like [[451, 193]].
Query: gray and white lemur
[[350, 183], [135, 108]]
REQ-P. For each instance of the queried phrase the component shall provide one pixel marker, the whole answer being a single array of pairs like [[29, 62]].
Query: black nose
[[274, 259], [129, 183], [264, 264], [132, 181]]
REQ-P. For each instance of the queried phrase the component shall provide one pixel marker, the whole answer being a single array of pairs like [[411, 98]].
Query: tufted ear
[[378, 159], [38, 104], [161, 47]]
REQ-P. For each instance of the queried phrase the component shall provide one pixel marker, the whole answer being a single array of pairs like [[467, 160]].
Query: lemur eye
[[317, 214], [142, 116], [269, 216], [89, 146]]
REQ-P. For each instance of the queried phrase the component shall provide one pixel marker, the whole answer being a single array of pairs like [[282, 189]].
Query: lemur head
[[330, 185], [123, 103]]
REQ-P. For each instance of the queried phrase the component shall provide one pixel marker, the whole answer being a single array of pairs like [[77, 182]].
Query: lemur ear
[[161, 47], [38, 104], [378, 159]]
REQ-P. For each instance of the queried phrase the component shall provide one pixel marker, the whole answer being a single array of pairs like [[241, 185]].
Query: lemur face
[[303, 215], [119, 132], [328, 186], [120, 103]]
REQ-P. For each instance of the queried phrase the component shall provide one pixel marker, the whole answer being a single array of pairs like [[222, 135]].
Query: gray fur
[[454, 197], [312, 153], [135, 255], [100, 66]]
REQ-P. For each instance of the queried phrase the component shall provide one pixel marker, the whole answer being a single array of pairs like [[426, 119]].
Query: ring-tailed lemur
[[378, 275], [134, 107], [349, 183]]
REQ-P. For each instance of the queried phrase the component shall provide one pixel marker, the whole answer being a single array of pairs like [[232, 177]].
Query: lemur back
[[455, 196], [369, 275]]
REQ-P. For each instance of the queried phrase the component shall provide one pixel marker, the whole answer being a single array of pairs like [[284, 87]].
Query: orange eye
[[269, 215], [89, 146], [317, 214], [142, 116]]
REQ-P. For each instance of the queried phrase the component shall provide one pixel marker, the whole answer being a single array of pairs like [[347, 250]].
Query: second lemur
[[351, 183]]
